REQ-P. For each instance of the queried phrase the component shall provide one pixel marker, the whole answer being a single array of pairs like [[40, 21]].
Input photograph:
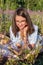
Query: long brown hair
[[22, 12]]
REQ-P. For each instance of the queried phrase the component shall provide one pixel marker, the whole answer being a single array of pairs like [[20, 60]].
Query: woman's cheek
[[17, 24]]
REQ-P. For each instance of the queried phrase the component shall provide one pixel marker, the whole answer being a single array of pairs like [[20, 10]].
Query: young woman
[[23, 32]]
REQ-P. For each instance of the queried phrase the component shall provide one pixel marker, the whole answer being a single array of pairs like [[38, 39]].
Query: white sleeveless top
[[32, 38]]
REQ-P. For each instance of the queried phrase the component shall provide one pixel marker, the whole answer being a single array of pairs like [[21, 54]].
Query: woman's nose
[[20, 24]]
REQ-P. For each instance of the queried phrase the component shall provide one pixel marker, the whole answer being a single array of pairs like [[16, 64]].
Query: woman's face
[[20, 22]]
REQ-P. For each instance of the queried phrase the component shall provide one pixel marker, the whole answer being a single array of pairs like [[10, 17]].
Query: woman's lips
[[22, 27]]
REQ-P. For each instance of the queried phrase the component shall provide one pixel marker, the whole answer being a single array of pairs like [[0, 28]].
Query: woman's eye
[[17, 21]]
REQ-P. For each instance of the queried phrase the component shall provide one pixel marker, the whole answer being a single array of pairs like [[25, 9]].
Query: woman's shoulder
[[35, 27], [12, 34], [36, 30], [10, 28]]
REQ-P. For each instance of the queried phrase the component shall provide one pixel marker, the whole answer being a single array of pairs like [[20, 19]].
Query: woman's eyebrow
[[23, 20], [20, 21]]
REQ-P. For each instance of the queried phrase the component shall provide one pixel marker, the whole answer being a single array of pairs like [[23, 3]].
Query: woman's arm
[[14, 51], [33, 37]]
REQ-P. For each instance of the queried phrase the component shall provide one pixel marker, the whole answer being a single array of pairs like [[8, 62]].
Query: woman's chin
[[21, 28]]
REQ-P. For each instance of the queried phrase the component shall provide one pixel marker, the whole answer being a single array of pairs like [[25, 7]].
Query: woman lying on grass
[[23, 33]]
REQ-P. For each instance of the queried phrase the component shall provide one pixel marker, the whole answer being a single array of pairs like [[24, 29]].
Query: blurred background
[[7, 8]]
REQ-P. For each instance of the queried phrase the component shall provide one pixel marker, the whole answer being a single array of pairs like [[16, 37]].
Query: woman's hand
[[25, 30], [31, 46], [18, 45], [25, 34]]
